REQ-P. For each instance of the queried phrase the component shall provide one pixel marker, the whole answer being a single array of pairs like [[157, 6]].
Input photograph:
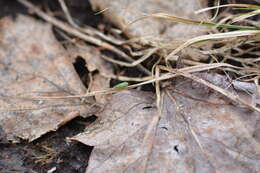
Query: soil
[[50, 151]]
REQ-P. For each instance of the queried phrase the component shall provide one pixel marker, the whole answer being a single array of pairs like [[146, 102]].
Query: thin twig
[[79, 34], [67, 13], [135, 63], [166, 76], [151, 130], [86, 29]]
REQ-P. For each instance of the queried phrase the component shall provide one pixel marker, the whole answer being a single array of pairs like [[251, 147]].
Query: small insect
[[121, 85]]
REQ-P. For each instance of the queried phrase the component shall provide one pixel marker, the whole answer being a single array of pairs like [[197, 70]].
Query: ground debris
[[159, 29], [191, 135], [33, 64]]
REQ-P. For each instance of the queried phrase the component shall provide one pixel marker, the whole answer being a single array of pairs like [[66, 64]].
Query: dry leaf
[[100, 83], [32, 63], [122, 12], [102, 71], [191, 136], [92, 56]]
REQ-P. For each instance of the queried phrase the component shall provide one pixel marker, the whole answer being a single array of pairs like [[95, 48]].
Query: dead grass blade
[[135, 63], [173, 73], [245, 6], [217, 36], [241, 17], [197, 22]]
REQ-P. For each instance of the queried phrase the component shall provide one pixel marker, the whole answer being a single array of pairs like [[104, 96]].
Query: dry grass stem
[[78, 34], [135, 63]]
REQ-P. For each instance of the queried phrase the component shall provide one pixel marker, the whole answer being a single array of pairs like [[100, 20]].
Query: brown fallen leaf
[[100, 83], [191, 136], [32, 63], [100, 71], [122, 12], [92, 57]]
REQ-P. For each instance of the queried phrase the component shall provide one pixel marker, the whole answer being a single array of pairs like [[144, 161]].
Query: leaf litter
[[191, 134], [34, 64], [205, 123], [154, 29]]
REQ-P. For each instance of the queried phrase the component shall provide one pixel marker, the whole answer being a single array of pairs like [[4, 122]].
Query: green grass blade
[[204, 23]]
